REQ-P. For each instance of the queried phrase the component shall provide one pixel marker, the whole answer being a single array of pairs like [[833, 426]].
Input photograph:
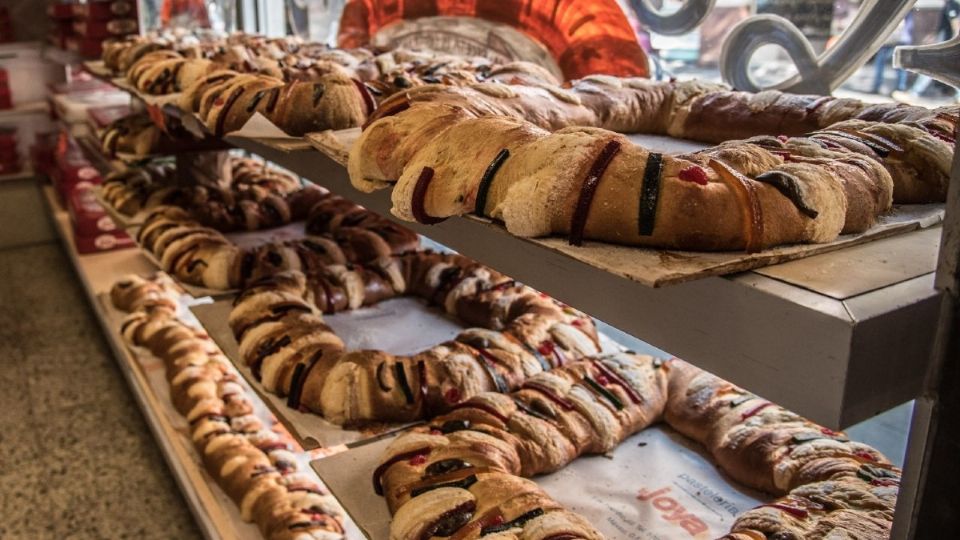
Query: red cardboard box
[[105, 9], [6, 99], [73, 171], [42, 153], [90, 28], [10, 167], [102, 242], [59, 10], [94, 231], [88, 217]]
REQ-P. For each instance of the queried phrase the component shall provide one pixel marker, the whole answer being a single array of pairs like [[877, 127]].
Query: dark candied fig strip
[[401, 373], [519, 521], [274, 99], [318, 91], [424, 391], [587, 190], [296, 384], [257, 98], [594, 385], [378, 472], [450, 521], [789, 186], [464, 483], [452, 426], [649, 194], [486, 180], [445, 466], [488, 361], [222, 117], [618, 380]]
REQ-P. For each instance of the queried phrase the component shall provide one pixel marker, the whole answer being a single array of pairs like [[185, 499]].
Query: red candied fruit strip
[[792, 510], [452, 396], [754, 411], [884, 482], [694, 174]]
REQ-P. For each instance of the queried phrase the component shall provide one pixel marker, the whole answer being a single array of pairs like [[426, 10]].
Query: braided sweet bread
[[590, 183], [282, 337], [829, 483], [253, 195], [202, 255], [253, 464], [128, 191], [299, 87], [134, 134]]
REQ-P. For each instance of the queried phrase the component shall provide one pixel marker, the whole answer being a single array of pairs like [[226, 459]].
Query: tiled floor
[[77, 459]]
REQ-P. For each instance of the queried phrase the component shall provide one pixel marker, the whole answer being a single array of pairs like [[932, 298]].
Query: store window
[[843, 47]]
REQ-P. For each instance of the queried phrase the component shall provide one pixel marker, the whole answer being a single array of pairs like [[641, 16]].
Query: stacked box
[[60, 13], [75, 179], [6, 26], [93, 229], [6, 97], [99, 20], [9, 157]]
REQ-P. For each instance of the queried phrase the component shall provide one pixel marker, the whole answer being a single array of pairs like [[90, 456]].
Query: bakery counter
[[837, 336]]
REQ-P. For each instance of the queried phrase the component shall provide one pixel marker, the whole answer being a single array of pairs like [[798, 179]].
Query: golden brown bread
[[829, 485], [253, 464], [278, 326]]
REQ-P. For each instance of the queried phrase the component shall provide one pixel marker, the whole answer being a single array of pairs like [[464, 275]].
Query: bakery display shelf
[[838, 336], [60, 56], [215, 515], [121, 220], [26, 173], [836, 354], [91, 149], [30, 107], [98, 69]]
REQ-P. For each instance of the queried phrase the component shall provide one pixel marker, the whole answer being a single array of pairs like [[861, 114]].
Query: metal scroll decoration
[[685, 19], [874, 22], [940, 61]]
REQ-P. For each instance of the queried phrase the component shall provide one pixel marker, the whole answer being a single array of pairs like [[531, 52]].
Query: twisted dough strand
[[828, 482]]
